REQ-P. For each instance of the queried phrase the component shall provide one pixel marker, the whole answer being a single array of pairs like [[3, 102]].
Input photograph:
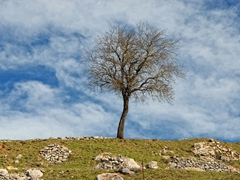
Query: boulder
[[124, 165], [152, 165], [130, 163], [34, 174], [215, 150]]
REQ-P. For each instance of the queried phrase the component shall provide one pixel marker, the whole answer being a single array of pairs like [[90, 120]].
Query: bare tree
[[134, 62]]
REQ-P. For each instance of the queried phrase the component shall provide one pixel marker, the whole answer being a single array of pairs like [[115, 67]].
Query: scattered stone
[[125, 170], [165, 157], [194, 169], [120, 163], [109, 176], [202, 164], [83, 138], [164, 151], [62, 138], [11, 168], [55, 153], [152, 165], [20, 176], [191, 163], [215, 150], [3, 174], [16, 161], [31, 174], [211, 157], [34, 174], [18, 156]]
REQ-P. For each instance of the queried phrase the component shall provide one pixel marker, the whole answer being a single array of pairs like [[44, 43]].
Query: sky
[[43, 91]]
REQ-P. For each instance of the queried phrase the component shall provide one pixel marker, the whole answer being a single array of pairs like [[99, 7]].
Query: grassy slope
[[81, 162]]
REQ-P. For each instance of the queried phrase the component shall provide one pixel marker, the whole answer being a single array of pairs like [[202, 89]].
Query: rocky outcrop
[[202, 164], [212, 156], [121, 164], [215, 150], [30, 174], [55, 153], [109, 161]]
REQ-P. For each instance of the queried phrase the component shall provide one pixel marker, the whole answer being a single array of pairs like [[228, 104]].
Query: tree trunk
[[120, 133]]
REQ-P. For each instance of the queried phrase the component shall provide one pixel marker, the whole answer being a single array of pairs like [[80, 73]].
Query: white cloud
[[39, 111]]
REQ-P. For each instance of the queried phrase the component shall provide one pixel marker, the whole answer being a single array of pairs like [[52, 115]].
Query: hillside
[[17, 156]]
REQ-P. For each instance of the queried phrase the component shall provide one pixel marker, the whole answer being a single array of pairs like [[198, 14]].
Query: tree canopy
[[135, 63]]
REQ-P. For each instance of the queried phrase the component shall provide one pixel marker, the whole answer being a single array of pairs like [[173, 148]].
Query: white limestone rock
[[34, 174], [109, 176]]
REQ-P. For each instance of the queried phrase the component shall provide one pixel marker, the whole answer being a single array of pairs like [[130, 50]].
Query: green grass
[[81, 162]]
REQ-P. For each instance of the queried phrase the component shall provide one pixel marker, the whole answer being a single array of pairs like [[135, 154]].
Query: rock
[[193, 169], [55, 153], [124, 170], [130, 163], [212, 152], [215, 150], [211, 140], [16, 161], [202, 152], [103, 156], [225, 158], [83, 138], [199, 145], [152, 165], [3, 173], [202, 164], [166, 150], [31, 174], [34, 174], [18, 157], [124, 165], [166, 159], [11, 168], [173, 165], [20, 176], [211, 157], [109, 176]]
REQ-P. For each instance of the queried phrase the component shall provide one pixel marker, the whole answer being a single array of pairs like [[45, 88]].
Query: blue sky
[[42, 89]]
